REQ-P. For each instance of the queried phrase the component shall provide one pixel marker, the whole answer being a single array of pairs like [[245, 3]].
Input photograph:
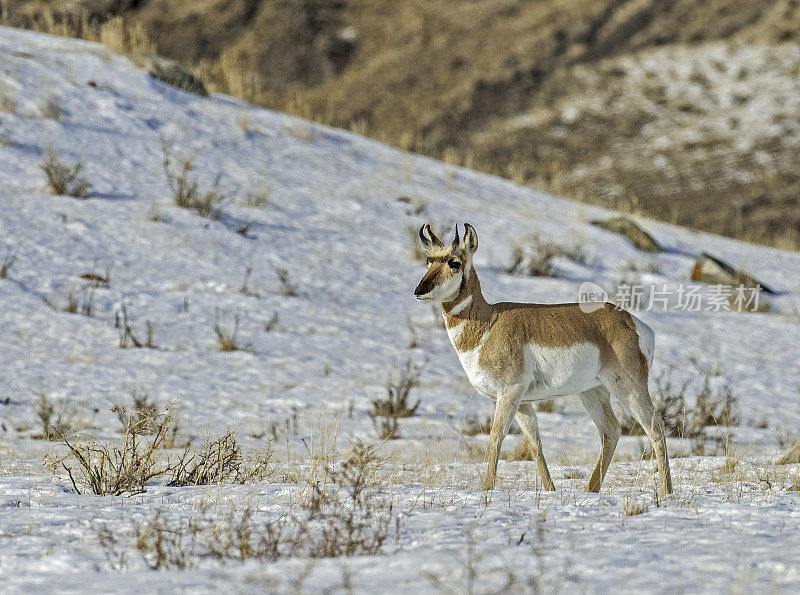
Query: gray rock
[[172, 73], [625, 227], [714, 271]]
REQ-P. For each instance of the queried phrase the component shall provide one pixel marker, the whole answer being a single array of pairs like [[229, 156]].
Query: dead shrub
[[56, 418], [535, 259], [713, 407], [105, 469], [386, 428], [221, 460], [185, 188], [143, 416], [63, 179], [396, 403], [342, 516]]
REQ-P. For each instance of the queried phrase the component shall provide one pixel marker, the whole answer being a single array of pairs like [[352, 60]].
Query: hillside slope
[[321, 219], [485, 83]]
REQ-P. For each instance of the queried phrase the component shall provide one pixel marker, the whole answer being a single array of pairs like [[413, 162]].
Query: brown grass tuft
[[63, 179]]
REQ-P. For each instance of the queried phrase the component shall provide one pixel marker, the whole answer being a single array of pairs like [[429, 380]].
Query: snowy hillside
[[312, 251]]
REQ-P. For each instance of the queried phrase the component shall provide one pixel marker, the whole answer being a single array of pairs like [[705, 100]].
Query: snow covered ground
[[334, 229]]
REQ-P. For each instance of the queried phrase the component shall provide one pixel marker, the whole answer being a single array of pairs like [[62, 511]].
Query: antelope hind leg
[[598, 403]]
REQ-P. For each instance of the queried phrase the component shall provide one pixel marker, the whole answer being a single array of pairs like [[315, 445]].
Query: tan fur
[[514, 325], [493, 339]]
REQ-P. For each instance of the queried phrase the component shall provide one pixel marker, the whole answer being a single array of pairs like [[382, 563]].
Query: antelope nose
[[419, 291]]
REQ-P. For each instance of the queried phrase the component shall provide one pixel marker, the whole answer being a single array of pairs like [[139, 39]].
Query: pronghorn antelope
[[520, 353]]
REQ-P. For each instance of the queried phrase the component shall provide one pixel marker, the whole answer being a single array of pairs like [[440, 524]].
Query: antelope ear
[[470, 242], [428, 237]]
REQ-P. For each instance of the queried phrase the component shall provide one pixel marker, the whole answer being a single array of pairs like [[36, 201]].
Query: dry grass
[[78, 301], [792, 454], [8, 102], [153, 212], [56, 418], [494, 83], [124, 38], [8, 262], [535, 257], [63, 179], [221, 460], [287, 287], [184, 186], [146, 417], [228, 335], [124, 321], [259, 198], [396, 403], [51, 107], [105, 469], [712, 407], [341, 515], [631, 507]]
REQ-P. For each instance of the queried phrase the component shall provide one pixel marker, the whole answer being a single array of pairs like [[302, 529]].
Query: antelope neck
[[468, 303]]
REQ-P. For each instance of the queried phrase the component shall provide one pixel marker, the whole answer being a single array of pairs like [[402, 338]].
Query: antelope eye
[[454, 264]]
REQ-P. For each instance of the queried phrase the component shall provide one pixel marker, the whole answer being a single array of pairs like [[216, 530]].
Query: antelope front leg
[[526, 418], [507, 405]]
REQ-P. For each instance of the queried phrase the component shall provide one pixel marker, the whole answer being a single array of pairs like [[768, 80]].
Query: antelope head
[[447, 264]]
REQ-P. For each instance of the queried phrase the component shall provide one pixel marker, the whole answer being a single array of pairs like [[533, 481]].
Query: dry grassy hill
[[683, 109]]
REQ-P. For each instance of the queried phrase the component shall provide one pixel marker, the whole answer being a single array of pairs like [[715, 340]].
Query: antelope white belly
[[559, 371]]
